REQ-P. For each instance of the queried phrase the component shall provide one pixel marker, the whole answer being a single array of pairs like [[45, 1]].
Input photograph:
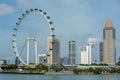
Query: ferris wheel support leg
[[28, 45], [36, 55]]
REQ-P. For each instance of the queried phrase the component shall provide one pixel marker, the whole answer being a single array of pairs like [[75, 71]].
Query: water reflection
[[58, 77]]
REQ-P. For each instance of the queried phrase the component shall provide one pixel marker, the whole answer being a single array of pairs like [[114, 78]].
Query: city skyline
[[77, 20]]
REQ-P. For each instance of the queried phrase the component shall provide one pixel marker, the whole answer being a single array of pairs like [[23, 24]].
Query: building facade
[[17, 61], [64, 60], [119, 59], [72, 52], [109, 56], [101, 47], [42, 59], [2, 62], [86, 54], [53, 50]]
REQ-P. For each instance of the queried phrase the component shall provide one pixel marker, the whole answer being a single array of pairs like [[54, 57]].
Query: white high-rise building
[[85, 54], [53, 50]]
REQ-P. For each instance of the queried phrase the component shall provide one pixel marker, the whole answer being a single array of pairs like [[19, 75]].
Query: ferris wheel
[[18, 24]]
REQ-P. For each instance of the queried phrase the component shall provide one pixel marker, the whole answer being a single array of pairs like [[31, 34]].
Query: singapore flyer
[[30, 35]]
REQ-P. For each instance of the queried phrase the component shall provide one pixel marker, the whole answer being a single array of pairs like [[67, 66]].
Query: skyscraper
[[109, 56], [86, 54], [72, 52], [53, 50], [101, 47], [84, 59]]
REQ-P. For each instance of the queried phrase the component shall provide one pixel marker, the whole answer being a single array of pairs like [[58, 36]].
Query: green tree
[[91, 69], [113, 70], [103, 64], [118, 63], [42, 67], [118, 70], [11, 67], [77, 71], [97, 71], [94, 64]]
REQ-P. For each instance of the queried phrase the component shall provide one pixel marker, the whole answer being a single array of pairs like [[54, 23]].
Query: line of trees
[[14, 67], [9, 67], [37, 68], [96, 71]]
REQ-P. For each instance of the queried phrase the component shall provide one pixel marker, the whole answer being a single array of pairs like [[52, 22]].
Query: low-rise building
[[70, 67], [2, 61], [42, 59]]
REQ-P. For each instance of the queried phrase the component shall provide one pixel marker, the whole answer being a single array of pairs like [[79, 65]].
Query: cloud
[[94, 40], [25, 3], [5, 9]]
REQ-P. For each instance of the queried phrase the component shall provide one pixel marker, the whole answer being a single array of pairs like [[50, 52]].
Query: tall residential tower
[[72, 52], [53, 50], [101, 48], [109, 56], [86, 54]]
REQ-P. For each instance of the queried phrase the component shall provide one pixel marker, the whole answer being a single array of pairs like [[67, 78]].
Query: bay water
[[58, 77]]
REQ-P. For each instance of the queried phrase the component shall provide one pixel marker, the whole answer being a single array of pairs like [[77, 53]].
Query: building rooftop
[[109, 23]]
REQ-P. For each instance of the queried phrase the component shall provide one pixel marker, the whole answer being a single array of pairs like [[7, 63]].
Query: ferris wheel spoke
[[42, 48], [23, 48]]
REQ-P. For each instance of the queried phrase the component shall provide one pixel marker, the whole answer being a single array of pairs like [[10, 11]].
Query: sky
[[79, 20]]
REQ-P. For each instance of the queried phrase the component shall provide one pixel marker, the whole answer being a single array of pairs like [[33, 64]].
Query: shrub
[[77, 71], [97, 71]]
